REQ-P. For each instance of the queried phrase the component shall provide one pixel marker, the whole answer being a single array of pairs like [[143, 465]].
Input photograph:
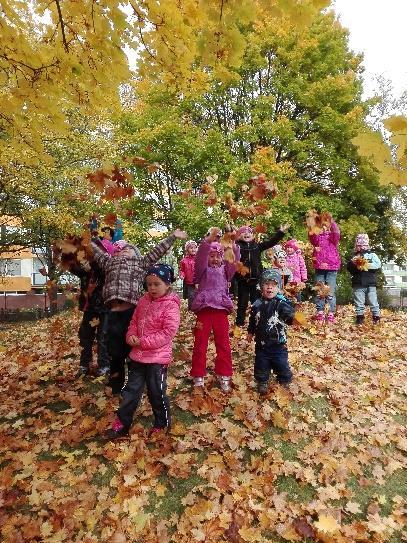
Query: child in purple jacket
[[327, 262], [212, 305]]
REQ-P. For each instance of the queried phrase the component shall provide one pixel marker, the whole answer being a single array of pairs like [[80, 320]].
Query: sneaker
[[320, 316], [360, 319], [117, 431], [224, 383], [376, 319], [330, 318], [262, 388], [101, 372], [199, 381], [83, 371]]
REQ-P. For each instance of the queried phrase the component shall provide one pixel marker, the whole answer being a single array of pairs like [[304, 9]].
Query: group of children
[[143, 326]]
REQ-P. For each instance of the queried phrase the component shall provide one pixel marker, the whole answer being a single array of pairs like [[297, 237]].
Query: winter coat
[[269, 318], [361, 278], [250, 256], [187, 269], [155, 322], [326, 255], [296, 264], [91, 293], [124, 276], [213, 289]]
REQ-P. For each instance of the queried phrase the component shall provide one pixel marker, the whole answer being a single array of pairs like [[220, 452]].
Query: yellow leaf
[[327, 524]]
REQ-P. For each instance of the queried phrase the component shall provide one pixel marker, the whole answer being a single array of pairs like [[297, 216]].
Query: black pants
[[272, 357], [117, 323], [155, 377], [245, 292], [88, 332]]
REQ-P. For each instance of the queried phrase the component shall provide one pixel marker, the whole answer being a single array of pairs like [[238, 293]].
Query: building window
[[390, 280], [10, 268], [404, 279]]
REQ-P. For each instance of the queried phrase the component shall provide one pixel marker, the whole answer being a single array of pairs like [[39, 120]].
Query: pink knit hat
[[291, 244], [243, 230], [362, 242], [216, 247], [190, 243]]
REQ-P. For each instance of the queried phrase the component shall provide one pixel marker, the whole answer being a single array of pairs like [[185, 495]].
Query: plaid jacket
[[124, 276]]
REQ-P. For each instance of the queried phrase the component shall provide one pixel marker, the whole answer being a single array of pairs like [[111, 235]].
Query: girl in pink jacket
[[187, 271], [152, 329]]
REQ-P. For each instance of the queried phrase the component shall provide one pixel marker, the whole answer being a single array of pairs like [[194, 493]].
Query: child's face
[[290, 250], [127, 252], [192, 250], [270, 290], [280, 262], [156, 286], [106, 235], [247, 236], [214, 259]]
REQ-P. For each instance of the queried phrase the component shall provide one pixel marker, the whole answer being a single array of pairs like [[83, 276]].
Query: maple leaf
[[303, 528], [327, 524], [321, 289], [110, 219], [361, 263], [94, 322]]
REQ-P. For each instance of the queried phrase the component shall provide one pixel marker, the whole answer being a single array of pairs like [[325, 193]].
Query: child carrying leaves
[[152, 329], [268, 321], [212, 305], [364, 267]]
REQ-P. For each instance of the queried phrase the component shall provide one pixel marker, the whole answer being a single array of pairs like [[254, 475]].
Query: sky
[[378, 29]]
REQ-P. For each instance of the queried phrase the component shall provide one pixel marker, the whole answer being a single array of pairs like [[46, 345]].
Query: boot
[[360, 319], [262, 388], [224, 383], [376, 319], [117, 431]]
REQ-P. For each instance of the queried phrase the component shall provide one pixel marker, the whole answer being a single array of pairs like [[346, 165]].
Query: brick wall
[[28, 301]]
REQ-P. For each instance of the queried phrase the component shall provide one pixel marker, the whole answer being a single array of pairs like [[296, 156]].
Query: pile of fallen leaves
[[322, 461]]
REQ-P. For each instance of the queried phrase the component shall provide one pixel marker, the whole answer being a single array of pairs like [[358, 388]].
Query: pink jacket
[[296, 264], [326, 255], [213, 289], [155, 323], [187, 269]]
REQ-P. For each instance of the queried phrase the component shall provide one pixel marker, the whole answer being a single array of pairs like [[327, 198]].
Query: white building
[[396, 277]]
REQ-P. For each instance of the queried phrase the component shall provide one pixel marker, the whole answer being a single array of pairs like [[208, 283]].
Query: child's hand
[[133, 341], [180, 234], [284, 227], [213, 234]]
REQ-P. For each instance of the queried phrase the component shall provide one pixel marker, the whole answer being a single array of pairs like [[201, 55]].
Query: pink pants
[[216, 320]]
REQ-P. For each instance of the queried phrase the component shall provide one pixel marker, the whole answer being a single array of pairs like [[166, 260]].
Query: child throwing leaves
[[268, 321], [152, 329], [327, 262], [124, 275], [364, 267], [250, 252], [212, 305], [187, 271]]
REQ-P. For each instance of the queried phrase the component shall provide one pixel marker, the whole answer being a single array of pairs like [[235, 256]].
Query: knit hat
[[243, 230], [279, 252], [216, 247], [190, 243], [292, 244], [362, 242], [163, 272], [118, 246], [271, 274]]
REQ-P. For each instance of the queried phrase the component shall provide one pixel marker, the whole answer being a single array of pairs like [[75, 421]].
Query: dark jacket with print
[[365, 278], [250, 256], [269, 318], [91, 294]]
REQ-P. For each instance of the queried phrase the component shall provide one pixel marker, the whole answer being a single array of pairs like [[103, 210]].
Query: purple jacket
[[326, 255], [296, 264], [213, 289]]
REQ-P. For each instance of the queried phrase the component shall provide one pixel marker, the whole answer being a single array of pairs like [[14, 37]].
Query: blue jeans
[[359, 298], [272, 357], [329, 278]]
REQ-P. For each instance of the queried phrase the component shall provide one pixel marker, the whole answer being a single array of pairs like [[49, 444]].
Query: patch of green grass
[[186, 418], [170, 503], [103, 477], [400, 418], [58, 406], [295, 491]]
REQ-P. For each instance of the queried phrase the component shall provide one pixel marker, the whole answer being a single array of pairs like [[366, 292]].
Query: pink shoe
[[330, 318], [154, 431], [320, 317], [117, 425]]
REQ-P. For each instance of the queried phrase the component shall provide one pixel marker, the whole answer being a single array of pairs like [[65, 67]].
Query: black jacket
[[361, 278], [250, 256], [269, 318], [90, 297]]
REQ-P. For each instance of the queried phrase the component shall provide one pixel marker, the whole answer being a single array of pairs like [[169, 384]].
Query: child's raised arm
[[100, 256], [201, 259], [230, 267], [161, 248], [264, 245], [335, 233]]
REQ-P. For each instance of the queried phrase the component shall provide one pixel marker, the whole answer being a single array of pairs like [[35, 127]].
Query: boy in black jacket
[[250, 256], [268, 321]]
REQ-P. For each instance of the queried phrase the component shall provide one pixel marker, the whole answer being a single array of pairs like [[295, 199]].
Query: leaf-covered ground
[[321, 462]]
